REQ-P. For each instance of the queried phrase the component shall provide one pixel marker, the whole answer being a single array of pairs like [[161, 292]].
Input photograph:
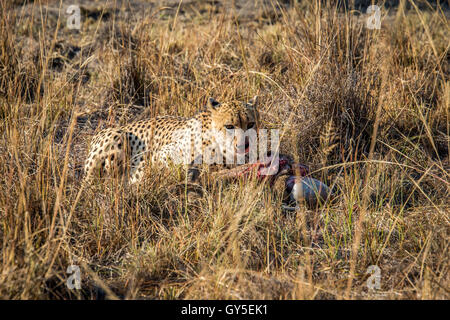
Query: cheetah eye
[[250, 125], [229, 127]]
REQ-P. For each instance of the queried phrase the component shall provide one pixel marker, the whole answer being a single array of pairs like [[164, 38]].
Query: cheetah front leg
[[193, 173], [173, 153], [193, 169]]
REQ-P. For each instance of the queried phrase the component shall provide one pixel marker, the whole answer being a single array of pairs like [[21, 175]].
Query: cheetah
[[128, 149]]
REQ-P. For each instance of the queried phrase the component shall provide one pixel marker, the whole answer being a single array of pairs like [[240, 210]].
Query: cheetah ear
[[212, 103]]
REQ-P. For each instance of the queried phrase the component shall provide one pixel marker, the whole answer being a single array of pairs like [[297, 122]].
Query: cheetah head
[[238, 119]]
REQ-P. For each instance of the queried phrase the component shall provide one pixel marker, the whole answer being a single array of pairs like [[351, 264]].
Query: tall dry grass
[[367, 110]]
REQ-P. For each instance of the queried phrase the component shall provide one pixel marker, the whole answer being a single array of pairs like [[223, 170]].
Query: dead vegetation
[[367, 110]]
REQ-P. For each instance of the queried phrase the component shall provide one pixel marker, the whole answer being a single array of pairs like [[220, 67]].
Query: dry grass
[[368, 110]]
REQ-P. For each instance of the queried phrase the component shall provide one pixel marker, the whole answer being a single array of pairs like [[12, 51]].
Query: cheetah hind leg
[[136, 169], [113, 163], [104, 165]]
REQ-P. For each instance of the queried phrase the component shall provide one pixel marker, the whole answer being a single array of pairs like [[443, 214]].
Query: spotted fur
[[126, 150]]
